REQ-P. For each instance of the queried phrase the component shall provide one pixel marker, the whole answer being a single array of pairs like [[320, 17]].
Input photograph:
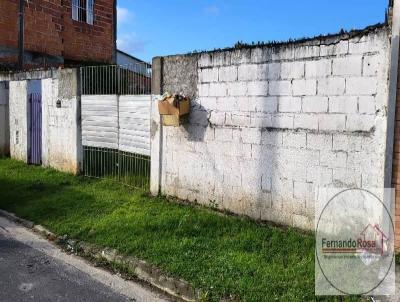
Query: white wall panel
[[101, 122], [134, 122]]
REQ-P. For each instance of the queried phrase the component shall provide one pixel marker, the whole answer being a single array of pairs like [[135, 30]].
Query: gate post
[[156, 130]]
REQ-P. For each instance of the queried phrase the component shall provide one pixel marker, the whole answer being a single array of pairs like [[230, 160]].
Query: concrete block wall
[[271, 125], [61, 130], [18, 102], [4, 122], [61, 137]]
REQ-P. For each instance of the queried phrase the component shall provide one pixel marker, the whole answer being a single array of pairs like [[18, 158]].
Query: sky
[[149, 28]]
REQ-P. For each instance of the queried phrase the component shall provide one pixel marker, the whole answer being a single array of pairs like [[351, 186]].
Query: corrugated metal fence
[[116, 108]]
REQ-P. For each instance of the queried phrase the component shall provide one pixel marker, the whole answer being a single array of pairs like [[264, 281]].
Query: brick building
[[396, 167], [58, 32]]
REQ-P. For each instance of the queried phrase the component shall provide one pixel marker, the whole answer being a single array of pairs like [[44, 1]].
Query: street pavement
[[33, 269]]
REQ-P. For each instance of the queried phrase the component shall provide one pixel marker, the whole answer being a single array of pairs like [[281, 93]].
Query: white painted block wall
[[61, 141], [282, 122], [61, 137], [18, 104]]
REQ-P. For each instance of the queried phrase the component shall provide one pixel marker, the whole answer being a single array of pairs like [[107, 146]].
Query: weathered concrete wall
[[270, 125], [18, 120], [62, 146], [4, 121], [61, 133], [181, 75]]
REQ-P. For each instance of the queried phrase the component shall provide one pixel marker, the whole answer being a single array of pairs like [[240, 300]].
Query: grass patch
[[219, 254], [129, 168]]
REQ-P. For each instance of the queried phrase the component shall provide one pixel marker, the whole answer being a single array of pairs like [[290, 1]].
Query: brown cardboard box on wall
[[173, 106], [174, 110], [173, 120]]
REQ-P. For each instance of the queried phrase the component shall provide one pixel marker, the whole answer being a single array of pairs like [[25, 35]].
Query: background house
[[57, 32], [135, 64], [137, 72]]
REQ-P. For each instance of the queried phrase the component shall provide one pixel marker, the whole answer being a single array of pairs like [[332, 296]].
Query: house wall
[[4, 121], [92, 43], [396, 165], [49, 29], [124, 59], [270, 125], [8, 31], [61, 130]]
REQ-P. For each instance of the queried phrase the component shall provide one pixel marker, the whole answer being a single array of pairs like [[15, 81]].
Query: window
[[82, 10]]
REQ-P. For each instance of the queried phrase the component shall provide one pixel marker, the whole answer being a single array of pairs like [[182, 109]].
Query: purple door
[[35, 133]]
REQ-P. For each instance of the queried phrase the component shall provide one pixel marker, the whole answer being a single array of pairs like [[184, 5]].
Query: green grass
[[220, 254]]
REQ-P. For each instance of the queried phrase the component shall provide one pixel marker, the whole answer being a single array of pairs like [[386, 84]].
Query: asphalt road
[[32, 269]]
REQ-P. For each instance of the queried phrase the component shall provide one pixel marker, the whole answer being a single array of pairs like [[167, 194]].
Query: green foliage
[[221, 255]]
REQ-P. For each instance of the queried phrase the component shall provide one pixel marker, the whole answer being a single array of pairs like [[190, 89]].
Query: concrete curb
[[11, 216], [142, 270]]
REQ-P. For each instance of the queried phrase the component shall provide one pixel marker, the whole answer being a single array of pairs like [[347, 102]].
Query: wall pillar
[[62, 136], [156, 131]]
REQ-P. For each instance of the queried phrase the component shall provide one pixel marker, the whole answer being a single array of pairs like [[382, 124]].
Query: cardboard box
[[167, 107], [170, 120], [174, 110], [173, 120]]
